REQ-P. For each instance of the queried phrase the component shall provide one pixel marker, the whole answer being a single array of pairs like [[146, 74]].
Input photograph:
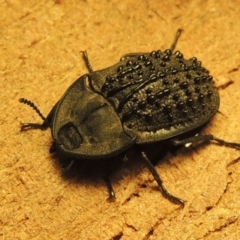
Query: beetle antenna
[[32, 105], [177, 36]]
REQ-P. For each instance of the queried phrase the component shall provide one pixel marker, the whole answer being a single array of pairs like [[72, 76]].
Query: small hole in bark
[[209, 208], [118, 237]]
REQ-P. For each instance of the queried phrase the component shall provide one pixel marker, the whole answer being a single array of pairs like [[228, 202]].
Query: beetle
[[144, 98]]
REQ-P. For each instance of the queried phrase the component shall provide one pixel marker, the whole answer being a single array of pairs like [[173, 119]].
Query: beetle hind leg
[[163, 190], [203, 138]]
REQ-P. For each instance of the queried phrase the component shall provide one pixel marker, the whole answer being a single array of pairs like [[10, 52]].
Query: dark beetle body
[[146, 97]]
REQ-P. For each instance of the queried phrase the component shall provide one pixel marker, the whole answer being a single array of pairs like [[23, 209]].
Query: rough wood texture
[[40, 44]]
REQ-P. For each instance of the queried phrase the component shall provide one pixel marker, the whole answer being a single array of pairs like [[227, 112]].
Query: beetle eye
[[69, 136]]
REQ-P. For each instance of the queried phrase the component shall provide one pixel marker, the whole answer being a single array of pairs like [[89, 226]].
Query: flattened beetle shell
[[85, 125], [158, 95]]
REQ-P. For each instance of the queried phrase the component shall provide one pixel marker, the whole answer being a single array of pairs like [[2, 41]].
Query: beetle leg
[[107, 180], [43, 126], [190, 140], [110, 189], [87, 62], [229, 144], [107, 175], [131, 55], [163, 190], [178, 34], [134, 55], [66, 167], [203, 138], [53, 148], [27, 126]]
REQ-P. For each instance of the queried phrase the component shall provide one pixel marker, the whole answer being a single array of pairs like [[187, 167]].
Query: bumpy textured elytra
[[161, 93]]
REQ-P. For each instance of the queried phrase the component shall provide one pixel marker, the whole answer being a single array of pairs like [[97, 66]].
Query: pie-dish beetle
[[144, 98]]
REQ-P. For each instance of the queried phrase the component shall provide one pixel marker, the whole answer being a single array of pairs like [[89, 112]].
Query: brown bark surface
[[40, 44]]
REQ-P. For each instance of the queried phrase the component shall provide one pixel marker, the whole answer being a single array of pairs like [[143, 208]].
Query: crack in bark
[[118, 236], [131, 227], [134, 194], [228, 222], [222, 195], [235, 161], [149, 234], [234, 69], [225, 85]]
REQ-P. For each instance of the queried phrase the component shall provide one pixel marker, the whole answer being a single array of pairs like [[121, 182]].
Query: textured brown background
[[40, 44]]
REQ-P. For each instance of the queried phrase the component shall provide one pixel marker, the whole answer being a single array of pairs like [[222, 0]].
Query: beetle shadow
[[87, 169], [90, 171]]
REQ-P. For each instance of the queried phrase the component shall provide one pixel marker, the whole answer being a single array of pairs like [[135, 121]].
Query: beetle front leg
[[107, 180], [163, 190], [27, 126], [112, 196], [67, 166]]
